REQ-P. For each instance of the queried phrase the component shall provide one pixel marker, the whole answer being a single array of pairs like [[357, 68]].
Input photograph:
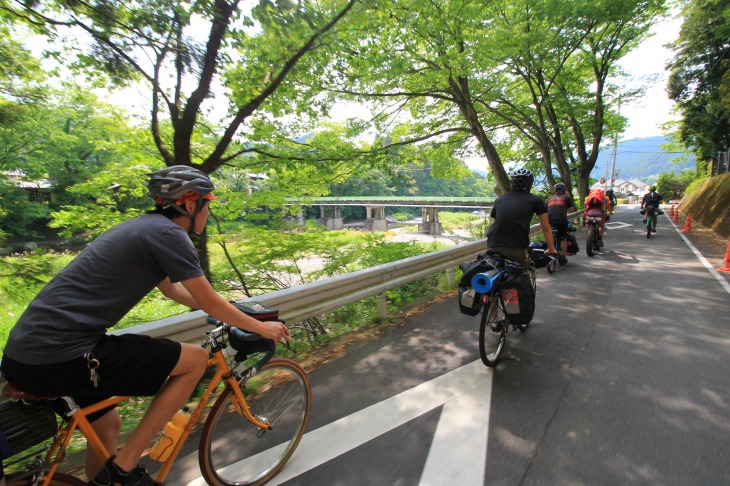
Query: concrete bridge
[[331, 218]]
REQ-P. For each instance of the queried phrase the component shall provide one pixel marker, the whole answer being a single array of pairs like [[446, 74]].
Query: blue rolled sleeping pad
[[483, 282]]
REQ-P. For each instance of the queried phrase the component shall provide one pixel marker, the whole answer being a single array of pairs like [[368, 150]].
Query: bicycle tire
[[58, 479], [492, 314], [553, 264], [648, 226], [591, 241], [233, 451]]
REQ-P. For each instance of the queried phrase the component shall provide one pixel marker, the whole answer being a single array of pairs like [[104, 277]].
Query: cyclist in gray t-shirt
[[50, 347]]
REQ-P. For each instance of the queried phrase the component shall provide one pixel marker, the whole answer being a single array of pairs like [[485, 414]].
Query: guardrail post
[[382, 305], [451, 277]]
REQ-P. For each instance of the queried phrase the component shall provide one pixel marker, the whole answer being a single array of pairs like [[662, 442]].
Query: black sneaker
[[112, 475], [562, 260]]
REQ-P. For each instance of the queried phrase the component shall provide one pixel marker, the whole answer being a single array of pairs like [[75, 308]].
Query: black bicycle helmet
[[521, 180], [559, 188]]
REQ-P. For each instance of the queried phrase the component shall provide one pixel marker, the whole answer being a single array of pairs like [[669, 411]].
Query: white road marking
[[617, 225], [466, 391], [458, 453]]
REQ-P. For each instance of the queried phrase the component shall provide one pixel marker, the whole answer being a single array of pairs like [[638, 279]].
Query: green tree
[[506, 79], [182, 51], [672, 185], [70, 140], [699, 78]]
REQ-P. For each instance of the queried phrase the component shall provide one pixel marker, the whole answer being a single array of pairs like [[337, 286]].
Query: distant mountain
[[640, 158]]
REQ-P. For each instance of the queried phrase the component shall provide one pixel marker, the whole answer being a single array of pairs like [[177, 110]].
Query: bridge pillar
[[375, 219], [430, 222], [332, 222]]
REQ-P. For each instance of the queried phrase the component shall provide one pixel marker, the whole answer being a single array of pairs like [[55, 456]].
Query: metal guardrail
[[314, 299]]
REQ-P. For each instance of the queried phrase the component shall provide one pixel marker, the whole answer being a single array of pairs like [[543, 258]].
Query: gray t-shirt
[[104, 282]]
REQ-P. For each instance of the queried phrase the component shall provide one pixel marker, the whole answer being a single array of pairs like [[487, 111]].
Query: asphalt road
[[622, 378]]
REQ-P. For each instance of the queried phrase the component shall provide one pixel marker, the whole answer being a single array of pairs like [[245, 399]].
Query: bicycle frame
[[79, 421]]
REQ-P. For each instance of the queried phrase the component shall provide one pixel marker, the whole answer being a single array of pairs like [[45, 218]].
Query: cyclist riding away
[[558, 206], [596, 207], [59, 346], [609, 198], [652, 199], [509, 233]]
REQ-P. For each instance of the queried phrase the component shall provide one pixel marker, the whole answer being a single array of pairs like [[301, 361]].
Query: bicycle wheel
[[493, 326], [553, 263], [233, 451], [59, 479], [590, 241], [649, 221]]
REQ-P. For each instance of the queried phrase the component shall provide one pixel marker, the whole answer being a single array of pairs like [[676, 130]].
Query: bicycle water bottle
[[170, 436], [483, 282]]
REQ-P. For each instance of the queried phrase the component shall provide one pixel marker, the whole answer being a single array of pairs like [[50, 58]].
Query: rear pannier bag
[[23, 425], [518, 298], [469, 301]]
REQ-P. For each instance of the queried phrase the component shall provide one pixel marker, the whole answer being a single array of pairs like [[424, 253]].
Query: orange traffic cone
[[675, 216], [687, 225], [726, 268]]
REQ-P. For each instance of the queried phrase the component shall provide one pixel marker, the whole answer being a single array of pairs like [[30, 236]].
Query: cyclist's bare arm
[[547, 232], [178, 293], [216, 306]]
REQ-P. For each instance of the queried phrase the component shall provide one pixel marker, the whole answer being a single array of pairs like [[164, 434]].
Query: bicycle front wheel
[[492, 332], [233, 451]]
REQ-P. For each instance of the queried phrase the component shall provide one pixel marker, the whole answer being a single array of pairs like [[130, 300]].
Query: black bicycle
[[498, 297], [650, 216]]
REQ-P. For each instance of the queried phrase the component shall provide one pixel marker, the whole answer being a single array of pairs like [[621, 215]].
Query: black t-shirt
[[104, 282], [512, 213], [557, 207], [652, 198]]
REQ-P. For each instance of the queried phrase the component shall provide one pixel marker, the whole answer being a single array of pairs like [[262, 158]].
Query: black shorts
[[129, 364], [561, 227]]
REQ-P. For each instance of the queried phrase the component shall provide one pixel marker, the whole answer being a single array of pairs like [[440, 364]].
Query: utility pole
[[615, 147]]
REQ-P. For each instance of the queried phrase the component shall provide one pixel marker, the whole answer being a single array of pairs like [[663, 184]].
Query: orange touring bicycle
[[258, 415]]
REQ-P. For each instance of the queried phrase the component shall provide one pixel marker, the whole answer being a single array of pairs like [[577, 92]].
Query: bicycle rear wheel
[[492, 332], [233, 451], [591, 241], [648, 226], [59, 479]]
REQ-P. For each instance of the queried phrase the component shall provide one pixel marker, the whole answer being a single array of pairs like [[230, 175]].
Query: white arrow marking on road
[[459, 446]]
